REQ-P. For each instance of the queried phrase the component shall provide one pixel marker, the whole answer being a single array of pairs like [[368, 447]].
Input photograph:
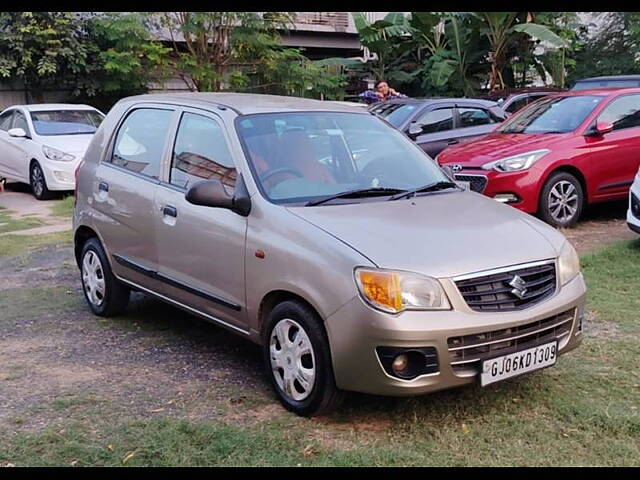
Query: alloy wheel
[[292, 359], [93, 278], [37, 180], [563, 201]]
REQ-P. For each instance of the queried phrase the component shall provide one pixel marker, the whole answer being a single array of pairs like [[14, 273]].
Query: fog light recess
[[506, 198], [408, 363]]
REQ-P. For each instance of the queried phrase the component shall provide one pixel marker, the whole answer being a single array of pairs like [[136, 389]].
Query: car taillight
[[75, 188]]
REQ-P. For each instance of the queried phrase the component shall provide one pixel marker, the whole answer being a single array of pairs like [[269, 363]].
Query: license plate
[[514, 364], [465, 185]]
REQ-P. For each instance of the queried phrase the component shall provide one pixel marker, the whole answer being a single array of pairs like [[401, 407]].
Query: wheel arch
[[275, 297], [80, 237], [571, 170]]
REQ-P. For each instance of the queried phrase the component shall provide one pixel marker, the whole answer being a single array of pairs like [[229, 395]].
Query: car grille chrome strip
[[512, 288], [477, 183], [468, 349]]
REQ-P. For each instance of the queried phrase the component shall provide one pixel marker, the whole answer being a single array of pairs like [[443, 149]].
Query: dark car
[[436, 123], [612, 81], [512, 100]]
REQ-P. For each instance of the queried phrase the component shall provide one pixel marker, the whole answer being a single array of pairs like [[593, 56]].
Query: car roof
[[609, 77], [248, 103], [39, 107], [598, 91], [437, 100]]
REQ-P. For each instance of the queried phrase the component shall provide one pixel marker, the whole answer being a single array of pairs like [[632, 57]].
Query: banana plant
[[500, 27]]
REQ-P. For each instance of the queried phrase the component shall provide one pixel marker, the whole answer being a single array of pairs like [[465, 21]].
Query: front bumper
[[355, 330], [633, 220], [60, 175], [522, 184]]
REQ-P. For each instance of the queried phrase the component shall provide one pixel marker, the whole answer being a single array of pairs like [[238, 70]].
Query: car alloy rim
[[93, 278], [292, 360], [563, 201], [37, 180]]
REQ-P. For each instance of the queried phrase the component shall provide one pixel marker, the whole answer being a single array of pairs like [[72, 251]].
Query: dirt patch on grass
[[596, 327]]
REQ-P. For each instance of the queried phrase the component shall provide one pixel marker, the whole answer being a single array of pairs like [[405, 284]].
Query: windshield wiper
[[362, 192], [431, 187]]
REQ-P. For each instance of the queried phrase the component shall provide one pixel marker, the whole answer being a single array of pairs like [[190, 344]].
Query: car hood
[[74, 144], [442, 235], [496, 146]]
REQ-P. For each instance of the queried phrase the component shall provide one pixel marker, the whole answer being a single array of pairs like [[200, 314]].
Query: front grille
[[499, 292], [635, 206], [466, 352], [477, 183]]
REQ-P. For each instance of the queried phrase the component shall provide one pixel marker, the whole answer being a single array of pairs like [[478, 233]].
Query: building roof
[[247, 103]]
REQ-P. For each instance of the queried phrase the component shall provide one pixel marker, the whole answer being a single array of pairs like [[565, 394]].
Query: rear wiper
[[431, 187], [362, 192]]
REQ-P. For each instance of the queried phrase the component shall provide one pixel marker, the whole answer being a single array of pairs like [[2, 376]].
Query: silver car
[[322, 233]]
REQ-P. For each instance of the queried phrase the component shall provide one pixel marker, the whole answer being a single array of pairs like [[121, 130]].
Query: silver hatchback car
[[325, 235]]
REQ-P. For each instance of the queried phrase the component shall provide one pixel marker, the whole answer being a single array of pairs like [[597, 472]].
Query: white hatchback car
[[42, 144], [633, 214]]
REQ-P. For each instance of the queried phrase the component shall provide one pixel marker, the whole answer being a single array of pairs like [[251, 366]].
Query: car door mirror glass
[[603, 127], [17, 133], [209, 193], [415, 128]]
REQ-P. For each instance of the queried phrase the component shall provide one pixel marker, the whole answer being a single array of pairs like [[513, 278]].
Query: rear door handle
[[170, 211], [103, 187]]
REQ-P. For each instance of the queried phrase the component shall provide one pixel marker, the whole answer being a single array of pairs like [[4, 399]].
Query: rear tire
[[38, 182], [298, 360], [105, 294], [561, 200]]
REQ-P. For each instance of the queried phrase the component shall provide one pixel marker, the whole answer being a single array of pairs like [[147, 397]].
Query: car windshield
[[66, 122], [395, 113], [305, 156], [552, 115]]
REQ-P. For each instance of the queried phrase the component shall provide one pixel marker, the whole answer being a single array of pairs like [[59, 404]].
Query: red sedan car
[[557, 154]]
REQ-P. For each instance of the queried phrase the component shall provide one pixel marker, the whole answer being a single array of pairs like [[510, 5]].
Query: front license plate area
[[517, 363]]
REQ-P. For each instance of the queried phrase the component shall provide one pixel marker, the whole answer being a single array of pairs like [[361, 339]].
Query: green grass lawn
[[11, 224], [64, 207], [583, 411]]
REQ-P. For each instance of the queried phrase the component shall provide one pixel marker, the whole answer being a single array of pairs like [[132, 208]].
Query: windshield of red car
[[552, 115]]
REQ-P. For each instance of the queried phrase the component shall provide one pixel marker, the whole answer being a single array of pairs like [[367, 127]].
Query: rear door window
[[438, 120], [473, 117], [140, 141], [5, 120]]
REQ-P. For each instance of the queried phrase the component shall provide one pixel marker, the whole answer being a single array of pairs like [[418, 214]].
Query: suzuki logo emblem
[[518, 285], [456, 167]]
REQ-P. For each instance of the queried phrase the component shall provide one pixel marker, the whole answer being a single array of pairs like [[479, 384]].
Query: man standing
[[382, 93]]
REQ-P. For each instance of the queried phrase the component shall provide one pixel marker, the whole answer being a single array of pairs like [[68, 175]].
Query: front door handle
[[103, 187], [453, 142], [170, 211]]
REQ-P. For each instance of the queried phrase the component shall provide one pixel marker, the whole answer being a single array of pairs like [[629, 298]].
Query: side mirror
[[599, 129], [211, 193], [415, 129], [17, 133]]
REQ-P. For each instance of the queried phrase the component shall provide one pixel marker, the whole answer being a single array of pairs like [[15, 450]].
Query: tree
[[41, 48]]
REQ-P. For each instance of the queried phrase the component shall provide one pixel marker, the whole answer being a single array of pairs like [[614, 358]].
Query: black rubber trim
[[174, 283], [616, 185], [633, 227]]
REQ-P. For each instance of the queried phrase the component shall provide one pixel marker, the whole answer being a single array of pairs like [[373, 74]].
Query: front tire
[[561, 200], [298, 360], [38, 182], [104, 293]]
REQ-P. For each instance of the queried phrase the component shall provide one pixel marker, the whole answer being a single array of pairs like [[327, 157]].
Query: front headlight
[[517, 162], [58, 155], [394, 291], [568, 264]]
